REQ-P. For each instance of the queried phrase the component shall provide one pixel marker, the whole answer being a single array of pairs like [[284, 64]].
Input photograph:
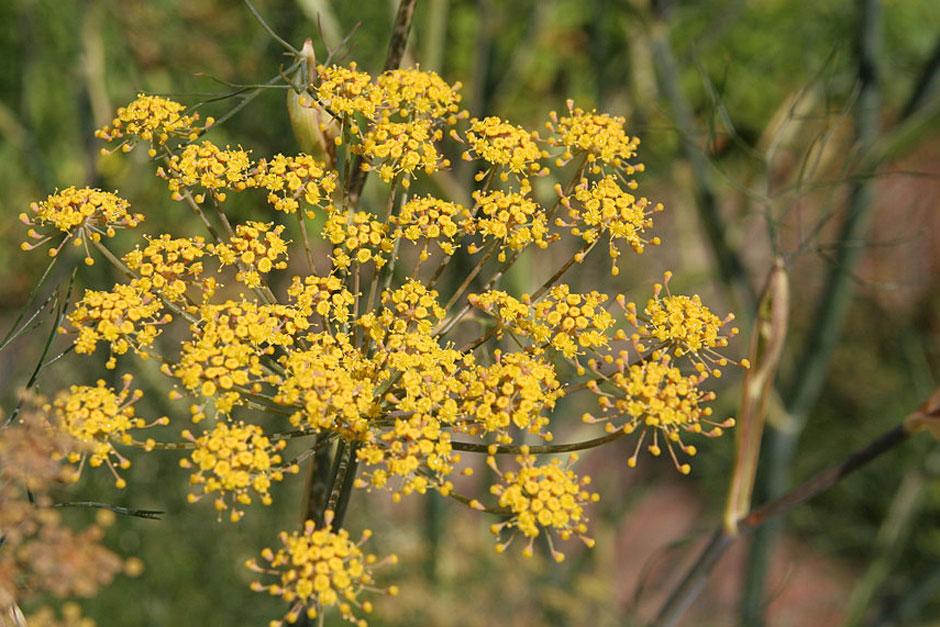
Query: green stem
[[814, 360]]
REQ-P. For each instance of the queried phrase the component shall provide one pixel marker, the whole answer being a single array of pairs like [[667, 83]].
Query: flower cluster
[[169, 266], [345, 91], [684, 325], [412, 93], [516, 391], [226, 356], [256, 248], [234, 460], [604, 208], [152, 119], [655, 395], [324, 296], [316, 569], [431, 220], [209, 168], [547, 498], [599, 137], [330, 385], [292, 179], [395, 383], [126, 317], [563, 320], [96, 418], [512, 219], [358, 237], [401, 149], [504, 145], [82, 214]]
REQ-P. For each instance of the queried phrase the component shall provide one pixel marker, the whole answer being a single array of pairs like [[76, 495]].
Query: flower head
[[401, 149], [598, 136], [169, 266], [290, 180], [330, 384], [345, 91], [515, 391], [430, 219], [317, 569], [153, 119], [654, 395], [512, 219], [357, 237], [82, 214], [256, 248], [684, 325], [234, 461], [548, 498], [208, 169], [413, 93], [97, 418], [605, 208], [504, 145], [126, 317]]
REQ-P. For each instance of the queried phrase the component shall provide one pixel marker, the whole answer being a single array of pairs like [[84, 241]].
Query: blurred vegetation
[[771, 87]]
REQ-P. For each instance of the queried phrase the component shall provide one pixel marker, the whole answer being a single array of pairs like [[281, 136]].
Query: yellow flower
[[226, 356], [317, 569], [81, 214], [604, 208], [599, 137], [256, 248], [152, 119], [207, 167], [412, 451], [503, 145], [324, 296], [562, 320], [432, 220], [413, 93], [411, 308], [292, 179], [126, 317], [168, 266], [513, 392], [401, 148], [549, 498], [357, 237], [514, 220], [97, 418], [684, 325], [234, 460], [346, 92], [331, 384], [654, 395]]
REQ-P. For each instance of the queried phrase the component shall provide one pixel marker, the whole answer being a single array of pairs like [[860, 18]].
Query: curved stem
[[543, 449]]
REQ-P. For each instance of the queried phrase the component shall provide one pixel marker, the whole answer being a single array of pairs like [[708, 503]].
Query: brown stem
[[685, 593]]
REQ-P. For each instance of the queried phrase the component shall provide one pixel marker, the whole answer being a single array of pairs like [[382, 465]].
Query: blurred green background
[[749, 109]]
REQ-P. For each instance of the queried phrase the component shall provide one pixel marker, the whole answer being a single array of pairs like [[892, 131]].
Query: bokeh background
[[749, 116]]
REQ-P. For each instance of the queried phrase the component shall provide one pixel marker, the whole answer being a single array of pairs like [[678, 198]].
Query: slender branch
[[542, 449], [152, 514], [267, 27], [684, 594]]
